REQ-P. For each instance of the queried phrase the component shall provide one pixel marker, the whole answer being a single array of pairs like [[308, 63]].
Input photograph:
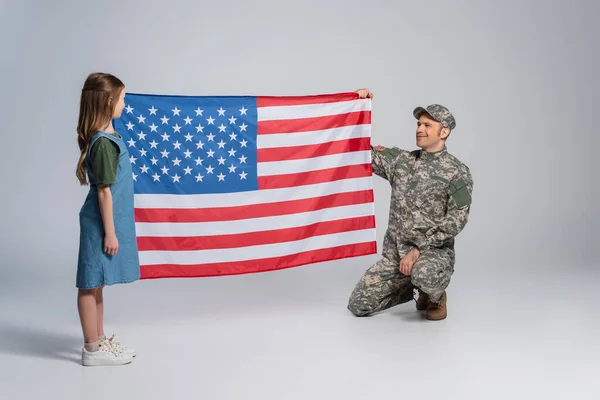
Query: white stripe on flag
[[313, 164], [168, 229], [312, 137], [256, 252], [271, 113], [266, 196]]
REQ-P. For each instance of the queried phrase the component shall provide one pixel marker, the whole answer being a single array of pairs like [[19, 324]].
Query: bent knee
[[431, 281], [359, 311], [359, 308]]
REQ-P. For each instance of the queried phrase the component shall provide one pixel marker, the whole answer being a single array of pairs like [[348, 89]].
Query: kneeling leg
[[381, 287], [431, 273]]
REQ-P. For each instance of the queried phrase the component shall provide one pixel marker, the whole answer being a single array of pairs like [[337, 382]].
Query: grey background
[[520, 76]]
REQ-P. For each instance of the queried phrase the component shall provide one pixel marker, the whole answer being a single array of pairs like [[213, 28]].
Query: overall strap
[[98, 136]]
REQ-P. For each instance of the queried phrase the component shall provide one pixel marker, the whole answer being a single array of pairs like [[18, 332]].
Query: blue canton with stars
[[190, 144]]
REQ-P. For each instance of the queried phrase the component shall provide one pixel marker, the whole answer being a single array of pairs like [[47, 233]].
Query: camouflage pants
[[384, 286]]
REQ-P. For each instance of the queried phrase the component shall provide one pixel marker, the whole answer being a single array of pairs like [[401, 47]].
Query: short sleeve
[[104, 160]]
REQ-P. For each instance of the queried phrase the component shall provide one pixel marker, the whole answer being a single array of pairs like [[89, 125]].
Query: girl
[[108, 251]]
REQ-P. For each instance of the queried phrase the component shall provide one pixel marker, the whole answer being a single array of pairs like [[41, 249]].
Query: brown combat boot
[[437, 311], [422, 301]]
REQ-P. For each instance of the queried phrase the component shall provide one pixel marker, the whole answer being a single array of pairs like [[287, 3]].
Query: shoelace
[[116, 343], [113, 346]]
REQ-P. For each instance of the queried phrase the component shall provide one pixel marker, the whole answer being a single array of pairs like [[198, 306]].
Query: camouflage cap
[[439, 113]]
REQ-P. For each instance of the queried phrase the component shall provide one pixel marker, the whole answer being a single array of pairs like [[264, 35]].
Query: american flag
[[237, 184]]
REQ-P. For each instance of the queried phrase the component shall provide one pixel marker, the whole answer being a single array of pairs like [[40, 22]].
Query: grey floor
[[511, 333]]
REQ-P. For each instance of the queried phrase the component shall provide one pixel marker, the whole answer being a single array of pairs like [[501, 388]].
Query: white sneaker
[[106, 355], [114, 342]]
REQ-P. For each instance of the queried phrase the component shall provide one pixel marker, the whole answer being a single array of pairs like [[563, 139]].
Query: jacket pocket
[[460, 193]]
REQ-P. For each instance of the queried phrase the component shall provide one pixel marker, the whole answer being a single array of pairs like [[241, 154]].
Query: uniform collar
[[425, 155]]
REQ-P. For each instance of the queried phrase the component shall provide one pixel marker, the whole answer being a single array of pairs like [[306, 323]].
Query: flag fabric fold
[[241, 184]]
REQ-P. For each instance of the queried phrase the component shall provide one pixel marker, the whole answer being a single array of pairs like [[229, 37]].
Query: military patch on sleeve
[[379, 148]]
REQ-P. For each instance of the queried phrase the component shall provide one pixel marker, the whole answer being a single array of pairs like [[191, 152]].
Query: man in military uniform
[[430, 204]]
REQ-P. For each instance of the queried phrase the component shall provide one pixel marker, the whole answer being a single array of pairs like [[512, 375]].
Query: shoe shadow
[[33, 342], [409, 315]]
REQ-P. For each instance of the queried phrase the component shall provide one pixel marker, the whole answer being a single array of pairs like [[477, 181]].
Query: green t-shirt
[[104, 158]]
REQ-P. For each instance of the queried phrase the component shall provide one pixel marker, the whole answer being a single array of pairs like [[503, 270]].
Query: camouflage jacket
[[430, 200]]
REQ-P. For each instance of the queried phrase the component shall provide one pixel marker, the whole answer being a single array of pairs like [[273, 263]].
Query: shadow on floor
[[35, 342], [408, 314]]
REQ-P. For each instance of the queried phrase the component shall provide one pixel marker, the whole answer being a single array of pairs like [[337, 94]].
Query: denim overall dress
[[95, 268]]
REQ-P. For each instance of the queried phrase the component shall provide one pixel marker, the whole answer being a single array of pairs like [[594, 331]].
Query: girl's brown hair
[[99, 96]]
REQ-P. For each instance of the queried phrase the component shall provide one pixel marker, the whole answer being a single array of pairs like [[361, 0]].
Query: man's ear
[[445, 133]]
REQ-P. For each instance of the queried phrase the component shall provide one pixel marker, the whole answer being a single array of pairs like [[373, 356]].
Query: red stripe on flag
[[258, 265], [190, 243], [313, 150], [157, 215], [314, 177], [313, 123], [273, 101]]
